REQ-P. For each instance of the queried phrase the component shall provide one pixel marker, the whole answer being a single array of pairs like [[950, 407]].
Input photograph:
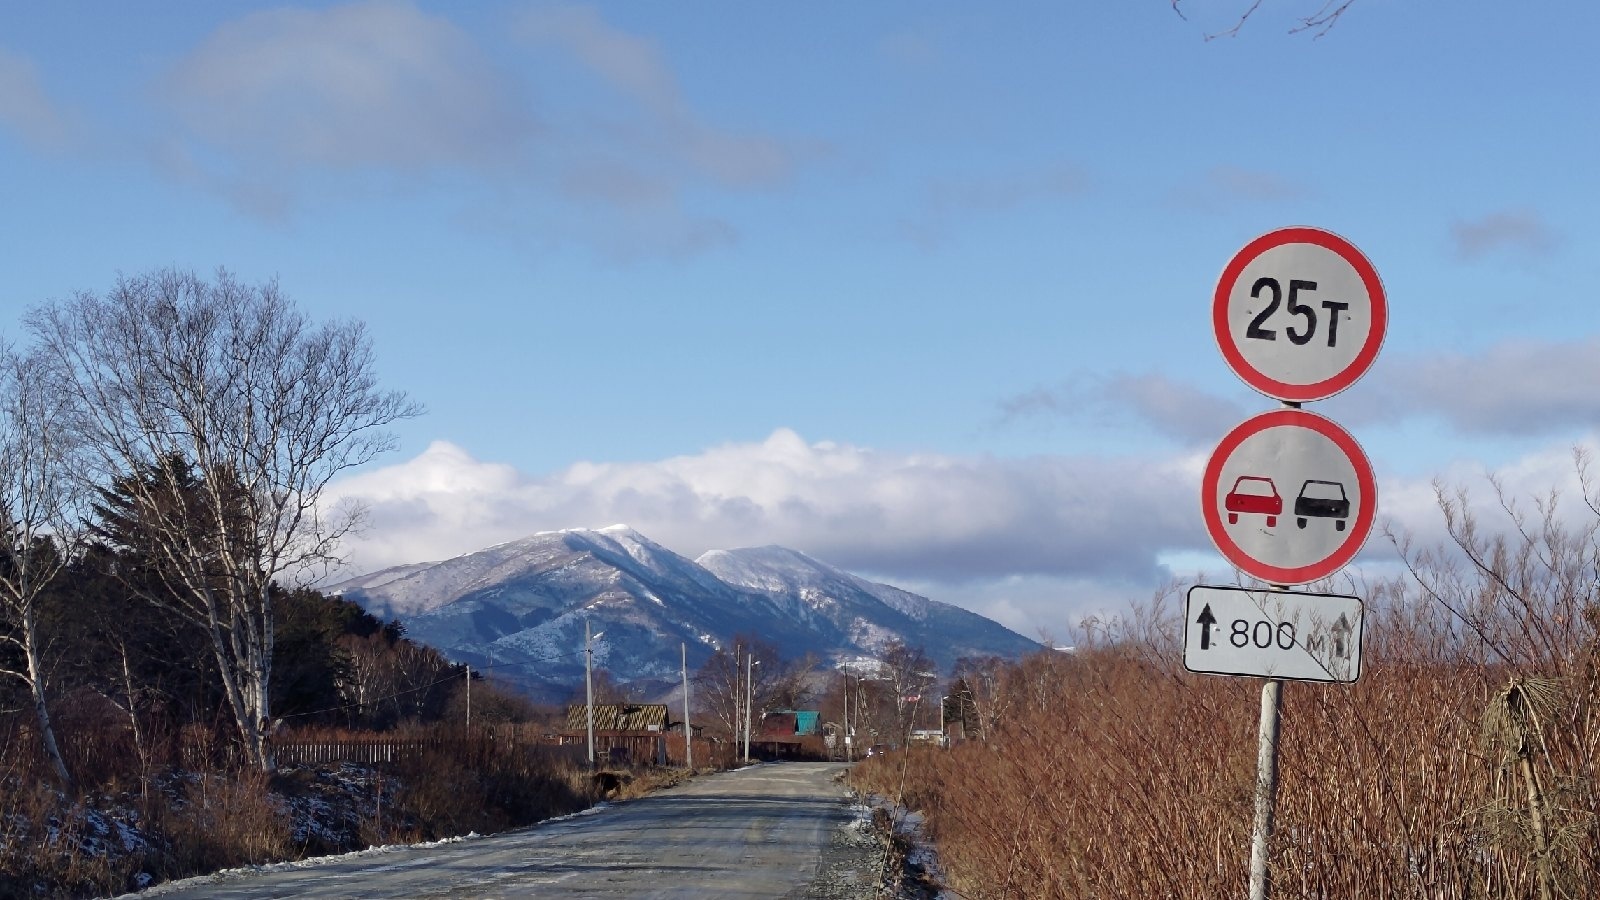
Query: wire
[[465, 669]]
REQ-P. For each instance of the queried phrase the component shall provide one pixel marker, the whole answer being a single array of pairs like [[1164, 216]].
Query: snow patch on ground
[[921, 877], [167, 887]]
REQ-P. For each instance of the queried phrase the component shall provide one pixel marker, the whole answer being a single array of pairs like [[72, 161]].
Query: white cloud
[[1037, 606], [1178, 410], [283, 105], [634, 67], [1517, 231], [1252, 184], [1035, 543], [1548, 477], [949, 201], [1226, 187], [951, 519], [912, 50], [367, 85], [26, 109], [1516, 387]]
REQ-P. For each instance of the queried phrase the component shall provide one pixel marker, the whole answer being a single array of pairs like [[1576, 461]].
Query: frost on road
[[780, 830]]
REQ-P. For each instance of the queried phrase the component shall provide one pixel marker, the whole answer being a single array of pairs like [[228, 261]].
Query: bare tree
[[980, 702], [786, 685], [1519, 583], [419, 674], [368, 674], [908, 673], [40, 501], [719, 688], [607, 690], [234, 412], [722, 688], [1319, 21]]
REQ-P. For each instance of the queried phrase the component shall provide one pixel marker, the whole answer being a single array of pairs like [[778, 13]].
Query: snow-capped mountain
[[521, 606]]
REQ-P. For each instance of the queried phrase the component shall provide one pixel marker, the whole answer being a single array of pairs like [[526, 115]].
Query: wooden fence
[[371, 752], [313, 749]]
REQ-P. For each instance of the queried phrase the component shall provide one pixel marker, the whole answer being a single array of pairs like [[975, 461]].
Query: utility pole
[[469, 696], [588, 683], [846, 673], [944, 742], [749, 698], [688, 731]]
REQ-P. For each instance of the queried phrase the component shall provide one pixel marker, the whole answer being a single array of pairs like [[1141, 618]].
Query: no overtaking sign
[[1288, 496]]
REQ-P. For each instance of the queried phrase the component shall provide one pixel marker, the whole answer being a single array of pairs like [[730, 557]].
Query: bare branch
[[1321, 22]]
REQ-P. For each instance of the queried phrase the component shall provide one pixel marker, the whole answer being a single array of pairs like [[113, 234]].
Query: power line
[[466, 669]]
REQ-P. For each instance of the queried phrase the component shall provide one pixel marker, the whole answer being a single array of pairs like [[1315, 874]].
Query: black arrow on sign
[[1205, 622]]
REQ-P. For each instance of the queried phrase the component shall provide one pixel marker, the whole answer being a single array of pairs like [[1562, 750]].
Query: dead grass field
[[178, 822], [1461, 765]]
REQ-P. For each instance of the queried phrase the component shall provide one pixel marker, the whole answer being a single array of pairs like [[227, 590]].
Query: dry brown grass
[[224, 820], [1120, 775], [203, 821]]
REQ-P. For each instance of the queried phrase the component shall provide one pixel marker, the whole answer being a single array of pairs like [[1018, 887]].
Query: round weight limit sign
[[1299, 314], [1288, 497]]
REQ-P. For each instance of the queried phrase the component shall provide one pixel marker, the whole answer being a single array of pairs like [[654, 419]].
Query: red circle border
[[1359, 530], [1281, 390]]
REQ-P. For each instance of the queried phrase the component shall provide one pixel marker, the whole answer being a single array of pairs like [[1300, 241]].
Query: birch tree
[[908, 673], [39, 500], [726, 681], [232, 412], [982, 701]]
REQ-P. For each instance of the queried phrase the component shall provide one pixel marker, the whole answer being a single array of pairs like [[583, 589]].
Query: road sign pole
[[1266, 311], [1266, 788], [1266, 774]]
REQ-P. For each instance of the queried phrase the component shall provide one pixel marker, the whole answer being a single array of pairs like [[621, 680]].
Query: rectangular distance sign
[[1272, 634]]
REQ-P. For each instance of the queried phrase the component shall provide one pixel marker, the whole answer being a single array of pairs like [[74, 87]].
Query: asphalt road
[[771, 831]]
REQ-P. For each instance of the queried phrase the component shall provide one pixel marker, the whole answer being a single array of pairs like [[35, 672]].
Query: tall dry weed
[[484, 785], [225, 820]]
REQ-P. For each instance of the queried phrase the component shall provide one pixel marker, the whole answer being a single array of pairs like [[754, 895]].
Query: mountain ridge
[[522, 606]]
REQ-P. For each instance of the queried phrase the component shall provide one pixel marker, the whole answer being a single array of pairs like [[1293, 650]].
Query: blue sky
[[919, 288]]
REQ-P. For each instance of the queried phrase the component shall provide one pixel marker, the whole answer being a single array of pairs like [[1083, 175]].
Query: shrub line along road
[[769, 831]]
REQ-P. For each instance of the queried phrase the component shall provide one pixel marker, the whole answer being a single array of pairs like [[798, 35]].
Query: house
[[784, 722], [790, 734], [639, 734], [624, 733], [620, 717]]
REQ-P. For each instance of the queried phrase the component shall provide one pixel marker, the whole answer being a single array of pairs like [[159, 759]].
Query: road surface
[[770, 831]]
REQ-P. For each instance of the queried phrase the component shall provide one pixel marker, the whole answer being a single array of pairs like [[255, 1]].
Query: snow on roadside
[[921, 876], [313, 862]]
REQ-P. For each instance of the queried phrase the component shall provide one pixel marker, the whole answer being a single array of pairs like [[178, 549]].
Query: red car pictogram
[[1253, 494]]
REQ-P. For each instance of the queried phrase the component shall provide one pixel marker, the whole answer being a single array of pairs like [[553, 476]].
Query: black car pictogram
[[1322, 500]]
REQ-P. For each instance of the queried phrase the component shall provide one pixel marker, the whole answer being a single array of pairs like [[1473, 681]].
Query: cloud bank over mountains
[[1034, 543], [926, 515]]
